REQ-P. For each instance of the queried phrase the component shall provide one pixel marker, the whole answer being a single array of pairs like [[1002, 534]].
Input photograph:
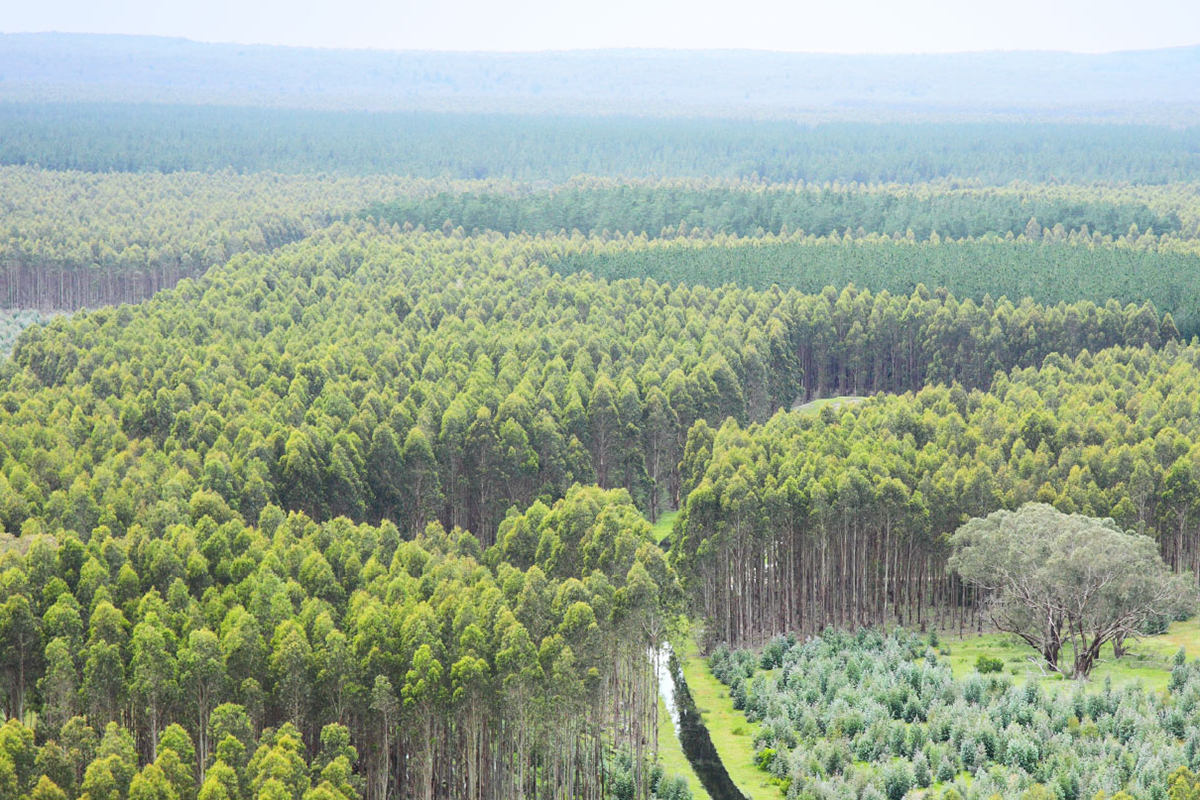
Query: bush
[[673, 788], [987, 664], [921, 774], [897, 780], [772, 654]]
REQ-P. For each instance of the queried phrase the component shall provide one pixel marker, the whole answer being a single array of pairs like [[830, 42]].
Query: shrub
[[673, 788], [986, 664], [772, 654], [897, 780], [921, 774]]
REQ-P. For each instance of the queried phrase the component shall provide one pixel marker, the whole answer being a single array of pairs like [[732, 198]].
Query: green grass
[[662, 528], [731, 733], [1148, 660], [670, 753], [815, 406]]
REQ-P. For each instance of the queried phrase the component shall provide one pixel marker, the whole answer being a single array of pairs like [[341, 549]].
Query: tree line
[[745, 210], [134, 137], [1052, 267], [74, 239], [79, 239]]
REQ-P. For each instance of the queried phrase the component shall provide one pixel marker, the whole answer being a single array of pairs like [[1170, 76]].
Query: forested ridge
[[1139, 86]]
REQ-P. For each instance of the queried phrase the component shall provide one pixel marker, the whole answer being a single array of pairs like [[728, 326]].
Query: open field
[[1148, 660]]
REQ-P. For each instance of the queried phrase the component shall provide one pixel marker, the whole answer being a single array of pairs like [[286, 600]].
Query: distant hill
[[1153, 85]]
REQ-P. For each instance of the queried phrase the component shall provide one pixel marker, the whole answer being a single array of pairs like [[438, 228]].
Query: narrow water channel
[[689, 727]]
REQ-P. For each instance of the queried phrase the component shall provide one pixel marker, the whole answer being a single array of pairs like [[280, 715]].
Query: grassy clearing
[[731, 734], [670, 753], [662, 528], [815, 406], [1148, 660]]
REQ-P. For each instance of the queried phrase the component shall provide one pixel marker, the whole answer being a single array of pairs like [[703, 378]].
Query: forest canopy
[[360, 443], [165, 138]]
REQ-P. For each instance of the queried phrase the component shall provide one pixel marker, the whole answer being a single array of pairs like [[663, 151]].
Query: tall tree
[[1059, 579]]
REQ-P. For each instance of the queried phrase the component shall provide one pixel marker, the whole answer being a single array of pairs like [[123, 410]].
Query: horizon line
[[613, 49]]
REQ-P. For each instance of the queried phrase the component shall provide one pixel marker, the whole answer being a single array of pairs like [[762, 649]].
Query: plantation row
[[745, 210], [73, 239], [874, 717], [76, 239], [421, 377], [842, 519], [165, 138], [1066, 269]]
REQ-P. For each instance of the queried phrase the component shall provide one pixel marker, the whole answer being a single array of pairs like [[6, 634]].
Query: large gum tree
[[1067, 583]]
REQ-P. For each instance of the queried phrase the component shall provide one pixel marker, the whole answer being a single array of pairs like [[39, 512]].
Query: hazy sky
[[841, 26]]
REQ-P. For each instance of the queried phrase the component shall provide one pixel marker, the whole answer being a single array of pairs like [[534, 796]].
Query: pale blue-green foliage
[[868, 715], [15, 320]]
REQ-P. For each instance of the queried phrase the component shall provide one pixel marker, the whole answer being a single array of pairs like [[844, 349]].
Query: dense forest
[[745, 208], [363, 377], [148, 137], [853, 507], [72, 240], [417, 376], [346, 658], [364, 450]]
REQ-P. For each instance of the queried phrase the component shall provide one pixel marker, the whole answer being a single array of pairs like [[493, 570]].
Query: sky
[[832, 26]]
